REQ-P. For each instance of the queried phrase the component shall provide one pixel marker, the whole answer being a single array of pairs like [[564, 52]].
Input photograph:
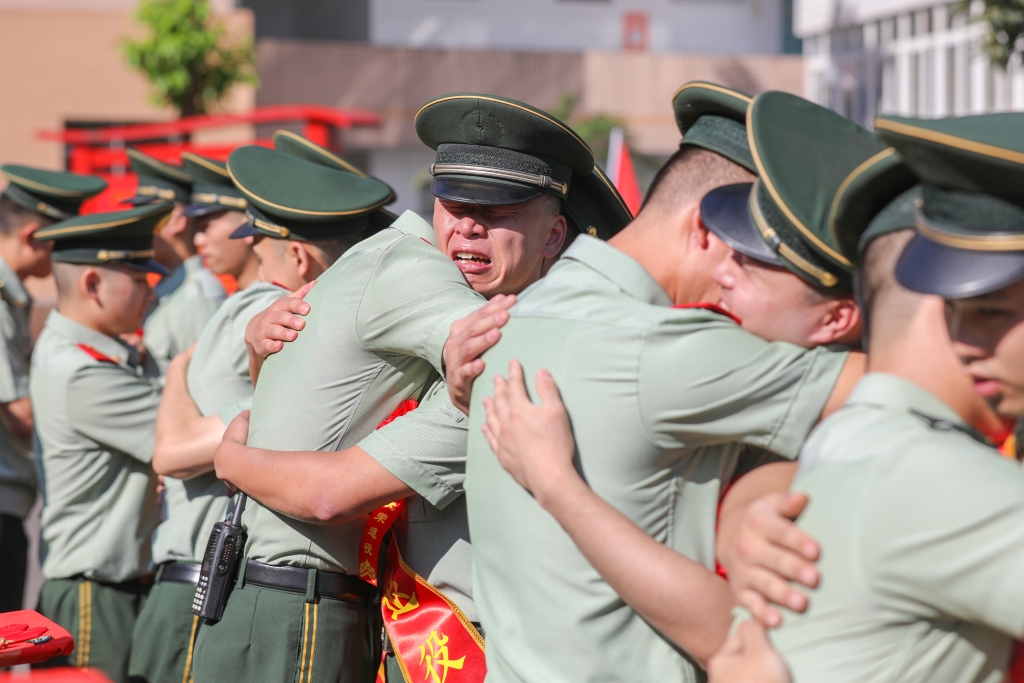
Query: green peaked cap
[[865, 206], [158, 180], [113, 238], [804, 153], [292, 198], [714, 117], [54, 194], [212, 189], [493, 150], [298, 146], [970, 215]]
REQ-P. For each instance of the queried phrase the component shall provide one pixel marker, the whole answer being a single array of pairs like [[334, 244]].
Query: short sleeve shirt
[[219, 383], [17, 473], [186, 300], [662, 401], [921, 529], [373, 339], [95, 413]]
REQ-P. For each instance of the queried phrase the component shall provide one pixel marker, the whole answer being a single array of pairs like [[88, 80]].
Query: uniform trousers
[[163, 636], [273, 636], [99, 616], [13, 562]]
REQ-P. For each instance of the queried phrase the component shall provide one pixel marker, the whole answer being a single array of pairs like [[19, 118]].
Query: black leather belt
[[178, 572], [296, 580]]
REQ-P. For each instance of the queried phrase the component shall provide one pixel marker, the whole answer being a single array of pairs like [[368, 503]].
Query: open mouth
[[467, 257]]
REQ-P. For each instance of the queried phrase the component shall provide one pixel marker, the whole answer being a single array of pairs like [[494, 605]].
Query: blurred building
[[713, 26], [906, 57]]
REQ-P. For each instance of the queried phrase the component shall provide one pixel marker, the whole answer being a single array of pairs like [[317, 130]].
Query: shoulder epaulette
[[714, 308], [97, 355]]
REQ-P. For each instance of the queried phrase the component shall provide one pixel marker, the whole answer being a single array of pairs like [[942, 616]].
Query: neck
[[73, 310], [662, 245], [919, 350], [249, 272], [10, 249]]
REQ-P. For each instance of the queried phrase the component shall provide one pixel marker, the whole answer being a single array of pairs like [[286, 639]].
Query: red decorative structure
[[101, 151]]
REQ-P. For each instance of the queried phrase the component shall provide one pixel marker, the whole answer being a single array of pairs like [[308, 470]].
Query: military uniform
[[269, 632], [696, 390], [51, 195], [921, 523], [95, 416], [188, 297]]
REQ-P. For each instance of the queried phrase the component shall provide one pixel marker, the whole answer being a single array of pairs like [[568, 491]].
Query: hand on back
[[268, 331], [469, 338]]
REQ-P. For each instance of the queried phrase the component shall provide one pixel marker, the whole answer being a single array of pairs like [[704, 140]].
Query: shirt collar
[[193, 264], [411, 223], [892, 391], [13, 289], [76, 333], [623, 271]]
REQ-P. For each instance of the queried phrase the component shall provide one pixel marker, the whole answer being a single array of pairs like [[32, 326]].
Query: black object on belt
[[295, 580], [179, 572]]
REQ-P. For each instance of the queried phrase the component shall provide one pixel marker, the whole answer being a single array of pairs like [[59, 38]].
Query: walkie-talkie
[[220, 564]]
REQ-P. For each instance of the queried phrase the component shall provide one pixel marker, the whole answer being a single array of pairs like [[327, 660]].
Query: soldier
[[918, 518], [188, 297], [33, 199], [207, 388], [510, 182], [95, 434], [700, 390]]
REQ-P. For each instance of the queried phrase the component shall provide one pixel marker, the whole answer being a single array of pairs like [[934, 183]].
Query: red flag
[[621, 171]]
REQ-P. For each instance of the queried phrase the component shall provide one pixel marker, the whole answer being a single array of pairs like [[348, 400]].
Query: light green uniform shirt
[[186, 300], [373, 339], [94, 425], [17, 473], [219, 383], [663, 401], [922, 545]]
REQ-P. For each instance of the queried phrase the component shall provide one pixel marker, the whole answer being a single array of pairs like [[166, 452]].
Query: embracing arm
[[185, 440], [17, 417], [320, 487], [679, 597]]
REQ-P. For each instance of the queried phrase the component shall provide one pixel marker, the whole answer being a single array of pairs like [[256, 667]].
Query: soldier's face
[[499, 249], [988, 333], [773, 303], [220, 253], [123, 295]]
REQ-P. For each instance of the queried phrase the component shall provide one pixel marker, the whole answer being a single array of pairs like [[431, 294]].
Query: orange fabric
[[17, 628], [711, 307]]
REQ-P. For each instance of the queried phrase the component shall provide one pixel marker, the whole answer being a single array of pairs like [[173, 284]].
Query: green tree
[[186, 57], [593, 129], [1005, 23]]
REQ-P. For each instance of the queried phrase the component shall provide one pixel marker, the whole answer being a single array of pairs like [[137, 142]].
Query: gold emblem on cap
[[592, 231]]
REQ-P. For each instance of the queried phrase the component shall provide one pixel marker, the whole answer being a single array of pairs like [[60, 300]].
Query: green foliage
[[1005, 20], [593, 129], [185, 56]]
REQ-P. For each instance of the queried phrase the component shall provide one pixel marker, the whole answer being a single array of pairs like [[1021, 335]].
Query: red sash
[[431, 637], [18, 629]]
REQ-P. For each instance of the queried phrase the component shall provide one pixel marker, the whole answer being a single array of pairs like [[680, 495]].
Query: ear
[[700, 236], [89, 281], [556, 238], [300, 256], [26, 233], [841, 324]]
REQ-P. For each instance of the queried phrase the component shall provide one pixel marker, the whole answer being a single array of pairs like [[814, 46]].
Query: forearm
[[17, 417], [772, 478], [319, 487], [185, 441], [679, 597], [255, 365]]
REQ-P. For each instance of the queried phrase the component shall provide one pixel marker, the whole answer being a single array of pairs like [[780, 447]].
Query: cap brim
[[245, 230], [725, 212], [481, 191], [139, 200], [200, 210], [149, 266], [931, 268]]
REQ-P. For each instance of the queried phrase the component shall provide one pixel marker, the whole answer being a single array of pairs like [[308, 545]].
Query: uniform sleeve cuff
[[412, 473]]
